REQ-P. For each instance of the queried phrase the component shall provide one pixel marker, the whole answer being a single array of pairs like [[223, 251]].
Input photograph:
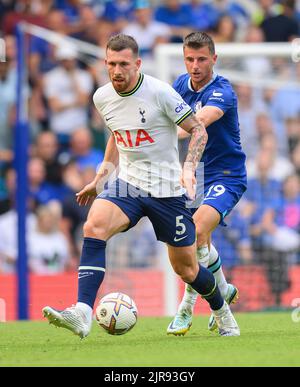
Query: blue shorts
[[171, 219], [223, 195]]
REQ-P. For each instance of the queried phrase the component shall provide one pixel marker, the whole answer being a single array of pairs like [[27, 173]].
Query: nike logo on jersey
[[108, 118], [215, 94], [180, 239]]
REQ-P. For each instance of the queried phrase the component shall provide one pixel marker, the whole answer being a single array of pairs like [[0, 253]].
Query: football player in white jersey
[[142, 114]]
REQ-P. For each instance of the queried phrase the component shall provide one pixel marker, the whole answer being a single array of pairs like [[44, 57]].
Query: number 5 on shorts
[[180, 227]]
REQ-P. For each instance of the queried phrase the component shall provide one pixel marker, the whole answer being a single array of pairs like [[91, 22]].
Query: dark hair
[[198, 40], [122, 42], [289, 4]]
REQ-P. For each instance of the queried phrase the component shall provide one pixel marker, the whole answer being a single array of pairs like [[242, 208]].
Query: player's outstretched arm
[[196, 148], [209, 114], [108, 166]]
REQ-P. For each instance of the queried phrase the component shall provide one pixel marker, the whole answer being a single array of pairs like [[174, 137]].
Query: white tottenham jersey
[[144, 123]]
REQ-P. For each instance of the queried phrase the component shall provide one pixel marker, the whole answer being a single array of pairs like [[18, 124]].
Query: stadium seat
[[254, 288]]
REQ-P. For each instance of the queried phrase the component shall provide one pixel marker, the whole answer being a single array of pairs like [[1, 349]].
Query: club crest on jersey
[[198, 106], [129, 140], [142, 113]]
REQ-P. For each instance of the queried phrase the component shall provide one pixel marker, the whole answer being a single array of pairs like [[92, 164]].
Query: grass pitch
[[267, 339]]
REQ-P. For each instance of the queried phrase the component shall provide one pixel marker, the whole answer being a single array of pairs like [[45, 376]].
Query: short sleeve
[[173, 105], [221, 98], [97, 100]]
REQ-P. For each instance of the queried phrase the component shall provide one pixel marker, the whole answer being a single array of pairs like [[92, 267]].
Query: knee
[[187, 273], [92, 229]]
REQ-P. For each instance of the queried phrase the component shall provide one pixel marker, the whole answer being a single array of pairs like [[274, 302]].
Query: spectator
[[292, 125], [296, 158], [82, 152], [76, 21], [280, 167], [266, 9], [40, 191], [248, 106], [285, 104], [47, 246], [287, 208], [7, 103], [5, 7], [145, 30], [42, 53], [234, 9], [283, 226], [176, 15], [118, 14], [205, 15], [256, 66], [8, 240], [42, 60], [90, 25], [46, 148], [225, 30], [260, 197], [264, 125], [24, 10], [7, 200], [73, 214], [283, 27], [67, 89]]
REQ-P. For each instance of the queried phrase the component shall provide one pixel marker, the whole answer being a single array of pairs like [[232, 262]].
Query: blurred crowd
[[68, 137]]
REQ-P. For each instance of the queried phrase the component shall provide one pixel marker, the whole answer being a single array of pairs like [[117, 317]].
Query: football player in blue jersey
[[224, 176]]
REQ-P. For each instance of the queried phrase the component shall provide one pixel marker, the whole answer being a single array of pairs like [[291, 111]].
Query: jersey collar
[[204, 87], [136, 87]]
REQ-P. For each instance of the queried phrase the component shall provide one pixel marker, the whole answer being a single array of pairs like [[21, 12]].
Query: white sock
[[190, 295], [220, 311], [86, 309], [219, 275]]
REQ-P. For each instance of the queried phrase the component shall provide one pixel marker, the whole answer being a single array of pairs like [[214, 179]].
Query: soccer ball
[[116, 313]]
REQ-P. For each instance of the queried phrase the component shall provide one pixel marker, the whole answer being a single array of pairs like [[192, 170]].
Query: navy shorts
[[171, 219], [222, 194]]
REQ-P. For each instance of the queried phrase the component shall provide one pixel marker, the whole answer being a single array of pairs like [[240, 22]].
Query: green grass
[[267, 339]]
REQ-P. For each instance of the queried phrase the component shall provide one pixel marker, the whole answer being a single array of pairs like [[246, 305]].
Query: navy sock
[[205, 284], [91, 270]]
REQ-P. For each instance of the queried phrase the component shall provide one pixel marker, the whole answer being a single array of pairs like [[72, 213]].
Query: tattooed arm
[[198, 141]]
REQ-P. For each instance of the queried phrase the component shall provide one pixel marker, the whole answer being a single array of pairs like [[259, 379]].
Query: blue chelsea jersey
[[223, 155]]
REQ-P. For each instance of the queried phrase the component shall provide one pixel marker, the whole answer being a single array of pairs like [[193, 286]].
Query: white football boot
[[231, 298], [180, 324], [226, 322], [71, 318]]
